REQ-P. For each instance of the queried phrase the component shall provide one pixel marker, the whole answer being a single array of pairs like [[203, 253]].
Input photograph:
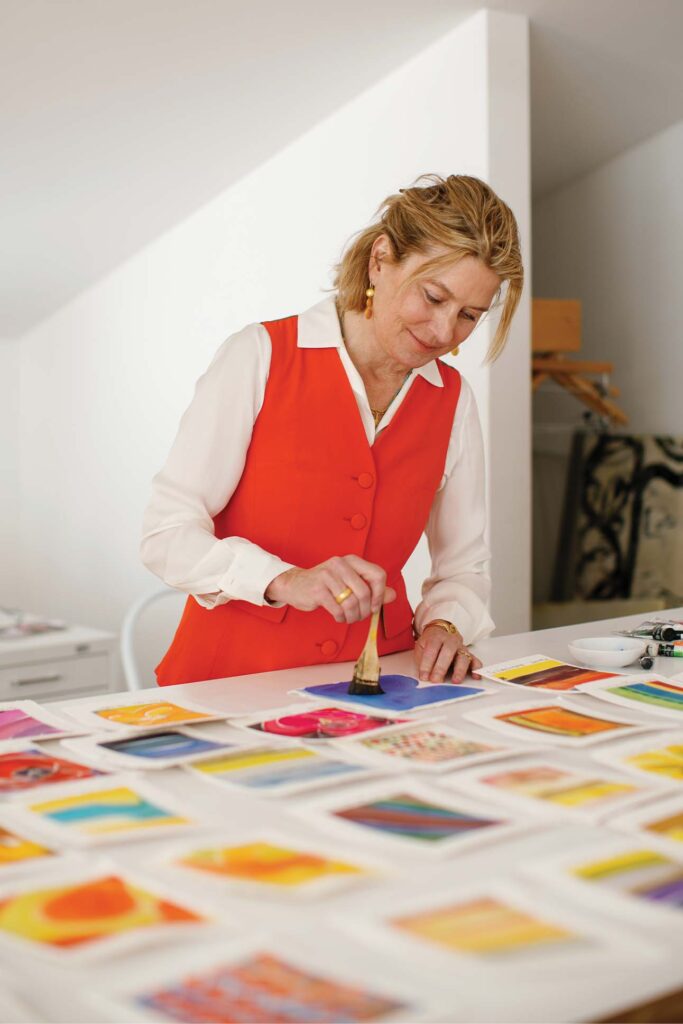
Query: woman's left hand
[[436, 650]]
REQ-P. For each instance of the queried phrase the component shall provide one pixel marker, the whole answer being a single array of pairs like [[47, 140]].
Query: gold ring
[[341, 597]]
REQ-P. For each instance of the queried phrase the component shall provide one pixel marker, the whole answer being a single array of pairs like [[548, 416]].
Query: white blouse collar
[[319, 328]]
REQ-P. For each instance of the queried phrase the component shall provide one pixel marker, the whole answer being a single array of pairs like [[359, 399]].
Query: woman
[[318, 448]]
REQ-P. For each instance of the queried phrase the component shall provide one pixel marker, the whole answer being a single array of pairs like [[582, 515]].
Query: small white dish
[[607, 651]]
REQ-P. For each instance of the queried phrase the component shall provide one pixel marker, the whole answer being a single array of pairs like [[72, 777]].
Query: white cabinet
[[73, 662]]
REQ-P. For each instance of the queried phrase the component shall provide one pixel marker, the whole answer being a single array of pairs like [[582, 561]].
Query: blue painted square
[[401, 693]]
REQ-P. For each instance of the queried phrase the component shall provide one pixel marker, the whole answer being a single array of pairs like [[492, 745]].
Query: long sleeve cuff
[[473, 626], [251, 570]]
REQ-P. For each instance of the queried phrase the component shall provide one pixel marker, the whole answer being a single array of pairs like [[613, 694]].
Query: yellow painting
[[14, 849], [670, 827], [150, 715], [664, 760], [267, 863], [484, 926], [242, 760], [557, 785]]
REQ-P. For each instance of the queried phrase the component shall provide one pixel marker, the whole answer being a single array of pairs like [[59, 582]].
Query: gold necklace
[[377, 414]]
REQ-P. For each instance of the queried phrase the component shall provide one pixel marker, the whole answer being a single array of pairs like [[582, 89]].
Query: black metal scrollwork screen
[[622, 529]]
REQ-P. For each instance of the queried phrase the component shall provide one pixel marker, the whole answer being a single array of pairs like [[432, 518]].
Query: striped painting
[[406, 815]]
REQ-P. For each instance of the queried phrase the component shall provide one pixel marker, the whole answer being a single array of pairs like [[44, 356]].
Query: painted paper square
[[266, 988], [319, 723], [401, 693], [642, 693], [118, 808], [656, 759], [539, 672], [549, 787], [411, 816], [277, 769], [29, 768], [78, 915], [429, 748], [564, 723]]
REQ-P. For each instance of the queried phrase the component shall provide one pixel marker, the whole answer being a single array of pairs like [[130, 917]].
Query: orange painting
[[150, 715], [65, 916], [560, 721], [267, 863]]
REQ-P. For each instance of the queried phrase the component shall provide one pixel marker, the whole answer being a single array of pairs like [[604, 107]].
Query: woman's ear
[[380, 251]]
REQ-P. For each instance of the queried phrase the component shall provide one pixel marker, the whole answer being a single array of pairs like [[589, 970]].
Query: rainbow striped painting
[[410, 817]]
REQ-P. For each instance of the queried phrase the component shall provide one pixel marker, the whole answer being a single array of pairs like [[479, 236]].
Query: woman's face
[[432, 315]]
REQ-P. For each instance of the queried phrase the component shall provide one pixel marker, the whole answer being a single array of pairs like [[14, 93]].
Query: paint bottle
[[670, 651]]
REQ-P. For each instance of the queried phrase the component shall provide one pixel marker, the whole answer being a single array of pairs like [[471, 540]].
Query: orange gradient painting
[[75, 915], [267, 863], [561, 721], [152, 715]]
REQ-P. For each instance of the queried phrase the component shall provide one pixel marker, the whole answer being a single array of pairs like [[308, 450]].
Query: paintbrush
[[365, 677]]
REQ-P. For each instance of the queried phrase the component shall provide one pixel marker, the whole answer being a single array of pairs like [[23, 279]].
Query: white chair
[[142, 649]]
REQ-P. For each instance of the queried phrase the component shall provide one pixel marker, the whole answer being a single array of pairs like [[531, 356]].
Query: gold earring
[[369, 292], [454, 351]]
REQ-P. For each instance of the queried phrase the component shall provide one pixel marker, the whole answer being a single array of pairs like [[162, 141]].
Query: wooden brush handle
[[371, 642]]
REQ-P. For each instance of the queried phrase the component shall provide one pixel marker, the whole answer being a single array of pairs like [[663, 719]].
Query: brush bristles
[[365, 686]]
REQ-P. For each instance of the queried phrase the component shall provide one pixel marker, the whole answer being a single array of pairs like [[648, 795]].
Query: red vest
[[312, 487]]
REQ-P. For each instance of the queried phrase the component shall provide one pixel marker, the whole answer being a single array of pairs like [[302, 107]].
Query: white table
[[556, 995]]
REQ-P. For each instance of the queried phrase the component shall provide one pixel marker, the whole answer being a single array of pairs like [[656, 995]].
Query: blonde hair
[[459, 212]]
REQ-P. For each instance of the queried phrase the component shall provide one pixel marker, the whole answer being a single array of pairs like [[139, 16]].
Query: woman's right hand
[[308, 589]]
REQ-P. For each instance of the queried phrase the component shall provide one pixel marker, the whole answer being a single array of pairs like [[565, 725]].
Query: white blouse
[[206, 462]]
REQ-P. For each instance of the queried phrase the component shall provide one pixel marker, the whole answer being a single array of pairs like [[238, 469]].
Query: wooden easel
[[556, 331]]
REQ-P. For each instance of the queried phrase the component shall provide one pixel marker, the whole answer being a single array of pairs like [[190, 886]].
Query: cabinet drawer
[[55, 679]]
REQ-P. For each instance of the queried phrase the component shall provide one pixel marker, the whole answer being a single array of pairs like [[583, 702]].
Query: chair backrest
[[146, 633]]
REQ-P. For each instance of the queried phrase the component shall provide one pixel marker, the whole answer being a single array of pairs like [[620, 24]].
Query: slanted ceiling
[[119, 118]]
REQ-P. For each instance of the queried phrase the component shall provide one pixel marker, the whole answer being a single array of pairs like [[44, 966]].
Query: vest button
[[366, 480], [329, 648], [358, 521]]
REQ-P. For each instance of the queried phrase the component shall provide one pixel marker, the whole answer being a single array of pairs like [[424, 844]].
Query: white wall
[[106, 379], [509, 393], [614, 239], [9, 471]]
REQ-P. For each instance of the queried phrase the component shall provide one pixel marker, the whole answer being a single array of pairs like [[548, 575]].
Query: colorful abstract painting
[[426, 746], [662, 696], [485, 927], [156, 746], [105, 812], [403, 814], [16, 849], [27, 769], [269, 864], [642, 873], [18, 725], [561, 721], [401, 693], [74, 915], [556, 785], [275, 769], [539, 672], [323, 724], [261, 989], [152, 715]]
